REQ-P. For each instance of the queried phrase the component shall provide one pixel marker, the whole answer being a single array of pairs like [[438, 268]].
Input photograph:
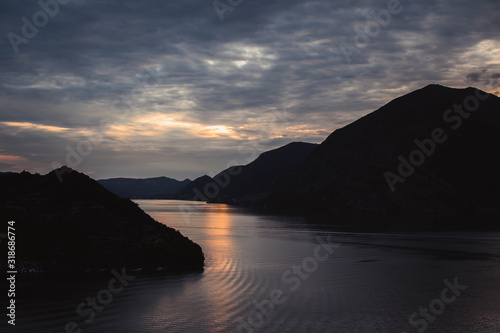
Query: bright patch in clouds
[[20, 127], [31, 126], [157, 127], [160, 120], [11, 158], [218, 130]]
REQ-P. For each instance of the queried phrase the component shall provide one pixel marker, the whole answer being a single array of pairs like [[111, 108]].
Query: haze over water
[[371, 282]]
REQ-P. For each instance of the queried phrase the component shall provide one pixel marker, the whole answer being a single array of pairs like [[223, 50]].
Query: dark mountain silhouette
[[190, 191], [244, 184], [422, 152], [148, 188], [77, 224]]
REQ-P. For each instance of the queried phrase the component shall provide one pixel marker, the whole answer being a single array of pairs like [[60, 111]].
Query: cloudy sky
[[127, 88]]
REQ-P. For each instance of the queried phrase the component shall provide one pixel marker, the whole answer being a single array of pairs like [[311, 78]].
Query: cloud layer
[[182, 89]]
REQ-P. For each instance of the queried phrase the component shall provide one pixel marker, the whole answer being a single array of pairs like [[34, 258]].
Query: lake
[[272, 273]]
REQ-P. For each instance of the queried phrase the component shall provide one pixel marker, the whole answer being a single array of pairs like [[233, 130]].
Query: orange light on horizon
[[27, 125], [11, 158], [17, 163]]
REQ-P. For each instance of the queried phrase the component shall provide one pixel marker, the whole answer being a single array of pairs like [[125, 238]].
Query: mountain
[[244, 184], [190, 191], [148, 188], [67, 221], [431, 151], [255, 180]]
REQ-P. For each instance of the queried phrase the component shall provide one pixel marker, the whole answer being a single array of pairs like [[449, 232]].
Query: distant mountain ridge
[[257, 179], [189, 192], [146, 188], [245, 183]]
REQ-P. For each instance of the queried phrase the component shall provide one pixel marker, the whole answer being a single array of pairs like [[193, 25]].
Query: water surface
[[354, 282]]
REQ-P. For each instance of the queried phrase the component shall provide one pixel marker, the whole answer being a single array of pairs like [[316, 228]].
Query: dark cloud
[[128, 61], [475, 77]]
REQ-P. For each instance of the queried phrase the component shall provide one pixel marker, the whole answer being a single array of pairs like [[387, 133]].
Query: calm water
[[320, 280]]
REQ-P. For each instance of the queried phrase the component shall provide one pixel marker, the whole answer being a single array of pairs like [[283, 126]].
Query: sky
[[120, 88]]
